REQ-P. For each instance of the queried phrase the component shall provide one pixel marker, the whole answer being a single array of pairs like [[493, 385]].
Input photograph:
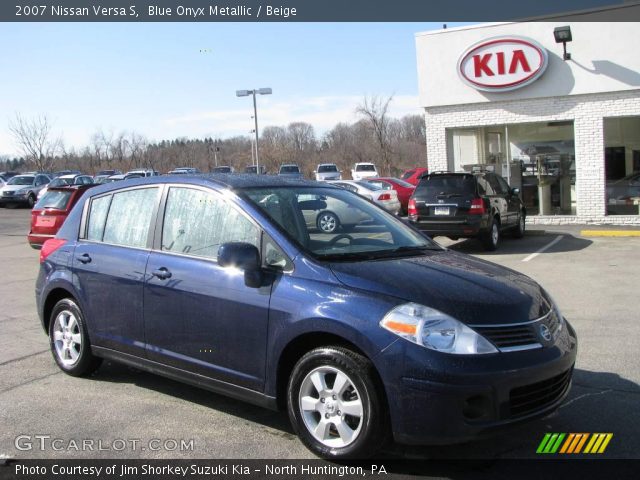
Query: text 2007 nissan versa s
[[364, 334]]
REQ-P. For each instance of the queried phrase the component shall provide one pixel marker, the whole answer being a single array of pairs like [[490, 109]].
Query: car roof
[[217, 180], [71, 187]]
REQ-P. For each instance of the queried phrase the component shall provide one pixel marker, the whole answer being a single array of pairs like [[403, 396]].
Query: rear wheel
[[491, 238], [518, 231], [69, 341], [335, 404], [327, 222]]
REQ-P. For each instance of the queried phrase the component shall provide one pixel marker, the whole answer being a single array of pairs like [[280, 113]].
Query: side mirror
[[515, 191], [245, 257]]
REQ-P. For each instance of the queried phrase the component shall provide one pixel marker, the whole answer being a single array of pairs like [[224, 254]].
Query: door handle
[[161, 273], [84, 258]]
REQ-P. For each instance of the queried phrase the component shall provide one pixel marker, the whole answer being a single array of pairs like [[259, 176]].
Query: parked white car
[[327, 171], [327, 214], [387, 199], [63, 180], [364, 170]]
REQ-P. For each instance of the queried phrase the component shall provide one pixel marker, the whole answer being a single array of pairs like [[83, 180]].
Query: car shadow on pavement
[[599, 402], [119, 373], [524, 246]]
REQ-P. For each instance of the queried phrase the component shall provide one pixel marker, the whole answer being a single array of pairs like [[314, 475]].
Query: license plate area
[[45, 221], [441, 211]]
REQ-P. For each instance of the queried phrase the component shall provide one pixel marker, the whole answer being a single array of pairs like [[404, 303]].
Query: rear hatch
[[445, 197]]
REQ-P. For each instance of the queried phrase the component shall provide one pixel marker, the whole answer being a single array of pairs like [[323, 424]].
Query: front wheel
[[69, 341], [31, 201], [327, 222], [336, 405]]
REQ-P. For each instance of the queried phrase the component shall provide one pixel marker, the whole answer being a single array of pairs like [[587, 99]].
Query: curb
[[610, 233]]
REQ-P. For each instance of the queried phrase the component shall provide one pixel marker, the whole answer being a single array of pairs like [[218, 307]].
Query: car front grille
[[521, 336], [536, 396], [510, 338]]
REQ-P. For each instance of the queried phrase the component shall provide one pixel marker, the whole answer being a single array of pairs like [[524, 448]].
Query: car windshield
[[57, 199], [402, 183], [327, 168], [289, 169], [59, 182], [337, 225], [447, 184], [367, 167], [370, 186], [21, 180]]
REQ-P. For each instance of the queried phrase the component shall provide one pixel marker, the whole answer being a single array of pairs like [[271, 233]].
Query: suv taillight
[[477, 207], [49, 247], [412, 209]]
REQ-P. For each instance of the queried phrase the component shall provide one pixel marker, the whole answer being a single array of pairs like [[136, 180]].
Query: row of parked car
[[457, 205]]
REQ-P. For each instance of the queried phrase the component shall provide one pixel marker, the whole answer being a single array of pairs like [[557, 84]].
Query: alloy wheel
[[67, 338], [331, 407]]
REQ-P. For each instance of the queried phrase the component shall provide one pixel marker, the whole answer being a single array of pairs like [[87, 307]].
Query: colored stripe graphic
[[573, 443]]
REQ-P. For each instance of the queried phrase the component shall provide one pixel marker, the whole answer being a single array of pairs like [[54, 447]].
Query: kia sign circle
[[502, 64]]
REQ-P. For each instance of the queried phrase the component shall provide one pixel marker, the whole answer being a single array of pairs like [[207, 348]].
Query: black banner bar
[[298, 10], [169, 469]]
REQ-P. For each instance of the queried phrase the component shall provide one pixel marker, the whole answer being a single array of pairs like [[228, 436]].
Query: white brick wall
[[587, 113]]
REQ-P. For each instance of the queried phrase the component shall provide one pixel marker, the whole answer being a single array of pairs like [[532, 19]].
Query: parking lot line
[[547, 246], [610, 233]]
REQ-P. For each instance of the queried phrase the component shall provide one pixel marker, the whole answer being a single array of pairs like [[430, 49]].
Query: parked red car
[[414, 175], [51, 211], [403, 189]]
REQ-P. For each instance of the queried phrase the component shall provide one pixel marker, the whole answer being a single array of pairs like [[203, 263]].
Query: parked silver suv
[[23, 189]]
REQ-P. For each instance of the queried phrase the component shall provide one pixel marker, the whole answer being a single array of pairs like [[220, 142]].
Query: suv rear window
[[365, 168], [327, 168], [447, 184], [289, 169], [54, 199]]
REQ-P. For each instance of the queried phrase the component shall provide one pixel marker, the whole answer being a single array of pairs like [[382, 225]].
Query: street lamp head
[[264, 91], [243, 93]]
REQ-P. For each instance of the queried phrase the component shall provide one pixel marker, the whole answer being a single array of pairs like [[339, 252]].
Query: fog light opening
[[476, 407]]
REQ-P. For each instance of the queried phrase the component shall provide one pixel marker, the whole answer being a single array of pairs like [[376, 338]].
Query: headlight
[[434, 330], [556, 310]]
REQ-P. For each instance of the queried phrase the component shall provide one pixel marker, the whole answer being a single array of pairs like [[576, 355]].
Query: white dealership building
[[565, 129]]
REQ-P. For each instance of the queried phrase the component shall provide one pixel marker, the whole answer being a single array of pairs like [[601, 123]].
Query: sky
[[171, 80]]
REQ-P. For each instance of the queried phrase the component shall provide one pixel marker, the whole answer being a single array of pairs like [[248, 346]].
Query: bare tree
[[374, 110], [35, 139]]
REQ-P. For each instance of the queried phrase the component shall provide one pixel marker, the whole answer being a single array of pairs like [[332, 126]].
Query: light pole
[[246, 93]]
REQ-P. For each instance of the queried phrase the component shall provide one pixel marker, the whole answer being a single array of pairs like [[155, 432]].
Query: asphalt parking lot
[[595, 281]]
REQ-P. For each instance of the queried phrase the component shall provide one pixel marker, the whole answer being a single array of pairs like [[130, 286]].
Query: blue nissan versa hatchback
[[363, 334]]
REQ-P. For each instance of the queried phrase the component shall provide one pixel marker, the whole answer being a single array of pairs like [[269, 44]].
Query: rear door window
[[197, 222], [128, 217]]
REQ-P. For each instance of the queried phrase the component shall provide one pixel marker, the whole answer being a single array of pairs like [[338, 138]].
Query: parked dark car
[[51, 210], [222, 169], [467, 205], [221, 283], [23, 189]]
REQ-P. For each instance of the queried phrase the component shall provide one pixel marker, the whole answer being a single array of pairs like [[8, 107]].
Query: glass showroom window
[[622, 165], [538, 158]]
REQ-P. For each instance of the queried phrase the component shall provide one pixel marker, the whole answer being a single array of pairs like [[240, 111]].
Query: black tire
[[70, 346], [31, 200], [491, 238], [327, 222], [368, 432], [518, 231]]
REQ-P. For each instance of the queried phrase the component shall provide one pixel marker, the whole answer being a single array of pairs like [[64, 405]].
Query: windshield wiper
[[348, 256]]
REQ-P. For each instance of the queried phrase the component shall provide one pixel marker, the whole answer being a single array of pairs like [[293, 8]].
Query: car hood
[[470, 290], [14, 188]]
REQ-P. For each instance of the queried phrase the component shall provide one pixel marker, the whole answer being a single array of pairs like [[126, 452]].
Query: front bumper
[[14, 198], [436, 398]]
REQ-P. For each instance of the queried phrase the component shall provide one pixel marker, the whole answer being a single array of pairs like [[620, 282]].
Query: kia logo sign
[[502, 64]]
